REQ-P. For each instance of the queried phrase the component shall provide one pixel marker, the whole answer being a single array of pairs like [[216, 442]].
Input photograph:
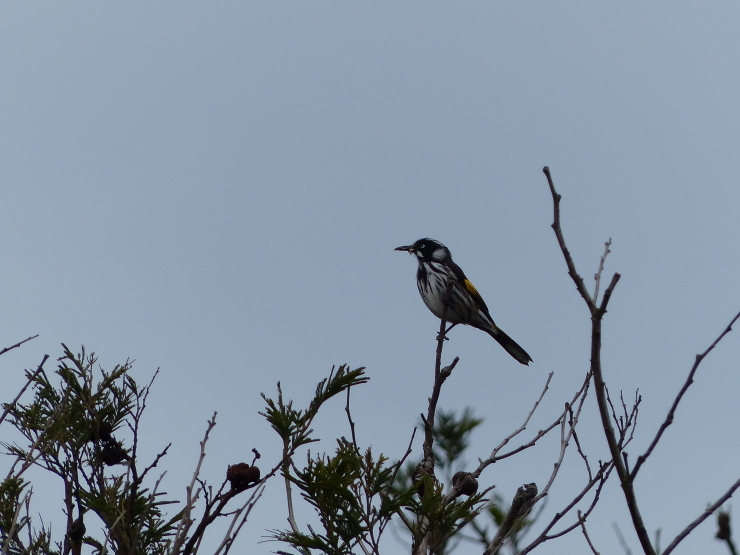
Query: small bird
[[466, 306]]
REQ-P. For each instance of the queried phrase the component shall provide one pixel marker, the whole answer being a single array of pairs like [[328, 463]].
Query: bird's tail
[[511, 346]]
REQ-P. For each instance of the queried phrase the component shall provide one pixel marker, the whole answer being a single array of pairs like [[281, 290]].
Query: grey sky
[[216, 190]]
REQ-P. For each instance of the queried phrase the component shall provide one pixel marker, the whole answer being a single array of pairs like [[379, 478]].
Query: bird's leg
[[445, 334]]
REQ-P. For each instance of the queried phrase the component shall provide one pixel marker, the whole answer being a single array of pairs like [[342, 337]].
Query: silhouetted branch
[[577, 279], [440, 375], [578, 446], [493, 456], [191, 493], [597, 314], [6, 349], [29, 381], [522, 503], [598, 480], [671, 413], [706, 514], [597, 275], [582, 521], [426, 466]]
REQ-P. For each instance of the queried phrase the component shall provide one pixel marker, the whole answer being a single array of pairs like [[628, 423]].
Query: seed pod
[[723, 525], [101, 431], [76, 530], [113, 454], [468, 484], [241, 475]]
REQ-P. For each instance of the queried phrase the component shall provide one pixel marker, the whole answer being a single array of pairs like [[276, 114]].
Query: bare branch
[[564, 441], [351, 422], [522, 503], [534, 498], [6, 349], [598, 480], [582, 520], [234, 528], [707, 513], [621, 539], [492, 457], [597, 275], [578, 446], [187, 521], [577, 279], [440, 375], [671, 413], [597, 314], [29, 381]]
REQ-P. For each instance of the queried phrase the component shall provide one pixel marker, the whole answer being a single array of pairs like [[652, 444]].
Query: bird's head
[[428, 250]]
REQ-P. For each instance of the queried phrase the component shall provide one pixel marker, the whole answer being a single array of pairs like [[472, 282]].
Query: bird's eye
[[422, 246]]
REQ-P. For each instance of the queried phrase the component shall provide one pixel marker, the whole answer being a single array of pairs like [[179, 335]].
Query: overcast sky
[[216, 190]]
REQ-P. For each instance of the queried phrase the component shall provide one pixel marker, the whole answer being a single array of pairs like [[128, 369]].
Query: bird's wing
[[470, 288], [476, 296]]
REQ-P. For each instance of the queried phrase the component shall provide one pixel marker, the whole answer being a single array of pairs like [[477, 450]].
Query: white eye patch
[[438, 254]]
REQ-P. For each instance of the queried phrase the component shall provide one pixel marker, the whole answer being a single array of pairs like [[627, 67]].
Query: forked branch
[[597, 314]]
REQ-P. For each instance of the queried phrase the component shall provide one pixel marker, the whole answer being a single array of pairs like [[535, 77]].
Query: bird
[[466, 306]]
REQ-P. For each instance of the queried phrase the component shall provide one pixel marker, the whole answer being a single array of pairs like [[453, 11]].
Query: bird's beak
[[408, 249]]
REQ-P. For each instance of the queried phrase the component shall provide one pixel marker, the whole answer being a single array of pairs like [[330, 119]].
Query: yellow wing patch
[[473, 291]]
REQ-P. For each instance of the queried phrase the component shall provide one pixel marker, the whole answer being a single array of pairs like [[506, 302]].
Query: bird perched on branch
[[465, 306]]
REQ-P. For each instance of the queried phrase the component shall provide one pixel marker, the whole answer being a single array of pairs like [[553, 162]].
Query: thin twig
[[671, 413], [399, 464], [597, 275], [599, 478], [542, 433], [583, 527], [580, 449], [597, 315], [186, 521], [29, 381], [701, 518], [230, 536], [6, 349], [351, 422], [622, 541], [520, 429], [440, 375], [564, 442], [577, 279], [14, 523]]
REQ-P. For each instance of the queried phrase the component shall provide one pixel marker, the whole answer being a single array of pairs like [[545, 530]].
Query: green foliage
[[452, 438], [294, 426], [438, 520], [349, 491], [452, 433], [83, 427]]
